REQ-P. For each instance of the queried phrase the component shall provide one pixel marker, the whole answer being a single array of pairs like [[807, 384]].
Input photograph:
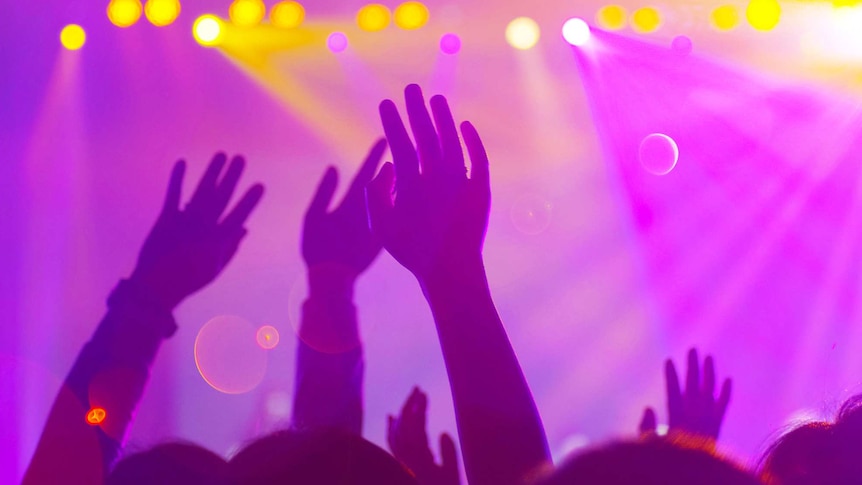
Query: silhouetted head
[[651, 461], [819, 452], [318, 457], [170, 464]]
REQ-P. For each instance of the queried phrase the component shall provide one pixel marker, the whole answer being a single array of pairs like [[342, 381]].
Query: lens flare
[[124, 13], [373, 17], [267, 337], [247, 13], [611, 17], [337, 42], [522, 33], [658, 153], [681, 44], [531, 214], [450, 44], [287, 15], [411, 15], [162, 12], [95, 416], [73, 37], [208, 30], [227, 355]]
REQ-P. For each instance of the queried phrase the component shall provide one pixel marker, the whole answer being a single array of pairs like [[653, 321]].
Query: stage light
[[522, 33], [287, 15], [73, 37], [247, 13], [763, 14], [576, 31], [658, 154], [450, 44], [124, 13], [337, 42], [611, 17], [724, 18], [681, 44], [95, 416], [162, 12], [646, 20], [208, 30], [373, 17], [411, 15]]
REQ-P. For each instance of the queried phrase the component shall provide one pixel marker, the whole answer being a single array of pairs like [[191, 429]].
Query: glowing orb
[[450, 44], [411, 15], [658, 154], [611, 17], [763, 14], [681, 44], [337, 42], [287, 15], [522, 33], [247, 13], [576, 31], [208, 30], [124, 13], [73, 37], [531, 214], [267, 337], [162, 12], [646, 20], [227, 355], [724, 18], [95, 416], [373, 17]]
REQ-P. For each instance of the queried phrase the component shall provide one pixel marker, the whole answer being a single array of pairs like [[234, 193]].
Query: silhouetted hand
[[342, 237], [188, 248], [408, 441], [697, 411], [439, 216]]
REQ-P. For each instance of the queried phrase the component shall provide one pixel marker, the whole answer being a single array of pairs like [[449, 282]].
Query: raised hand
[[342, 237], [438, 218], [408, 441], [187, 248], [697, 411]]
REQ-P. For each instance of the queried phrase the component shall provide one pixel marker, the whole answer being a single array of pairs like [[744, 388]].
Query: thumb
[[648, 422], [449, 458]]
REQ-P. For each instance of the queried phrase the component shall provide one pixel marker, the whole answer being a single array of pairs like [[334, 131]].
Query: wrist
[[331, 281], [132, 298], [152, 291], [462, 275]]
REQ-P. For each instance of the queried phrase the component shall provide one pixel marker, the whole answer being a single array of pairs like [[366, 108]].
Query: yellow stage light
[[763, 14], [73, 37], [411, 15], [247, 13], [124, 13], [725, 18], [611, 17], [522, 33], [208, 30], [646, 20], [162, 12], [287, 15], [373, 17]]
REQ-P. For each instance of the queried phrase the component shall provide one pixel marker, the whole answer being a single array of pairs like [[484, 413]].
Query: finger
[[323, 195], [366, 171], [723, 399], [449, 456], [391, 433], [403, 153], [378, 196], [692, 374], [709, 378], [226, 187], [648, 421], [427, 141], [479, 170], [674, 395], [453, 156], [206, 186], [239, 214], [175, 186]]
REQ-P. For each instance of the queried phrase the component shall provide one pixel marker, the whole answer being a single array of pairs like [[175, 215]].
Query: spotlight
[[725, 18], [522, 33], [124, 13], [611, 17], [208, 30], [763, 14], [337, 42], [576, 32], [287, 15], [73, 37], [247, 13], [162, 12], [373, 17], [646, 20], [450, 44], [411, 15]]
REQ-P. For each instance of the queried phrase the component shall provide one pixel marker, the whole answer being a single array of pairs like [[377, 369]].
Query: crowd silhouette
[[430, 212]]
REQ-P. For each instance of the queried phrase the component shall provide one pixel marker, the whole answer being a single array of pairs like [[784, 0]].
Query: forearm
[[502, 437], [330, 367], [109, 374]]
